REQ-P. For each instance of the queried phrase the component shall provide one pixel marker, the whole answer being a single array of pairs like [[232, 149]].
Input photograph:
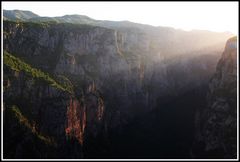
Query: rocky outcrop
[[217, 124]]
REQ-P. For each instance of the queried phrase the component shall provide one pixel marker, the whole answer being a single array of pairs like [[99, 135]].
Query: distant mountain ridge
[[163, 38], [29, 16], [18, 15]]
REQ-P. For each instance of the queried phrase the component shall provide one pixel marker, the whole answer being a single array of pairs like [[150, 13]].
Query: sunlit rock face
[[76, 120], [81, 114], [218, 122]]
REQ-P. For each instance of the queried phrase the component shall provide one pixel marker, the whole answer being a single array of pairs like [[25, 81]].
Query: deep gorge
[[123, 91]]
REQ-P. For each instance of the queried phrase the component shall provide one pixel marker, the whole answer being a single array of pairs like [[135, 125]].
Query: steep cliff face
[[86, 113], [218, 122], [123, 62], [47, 109], [113, 75]]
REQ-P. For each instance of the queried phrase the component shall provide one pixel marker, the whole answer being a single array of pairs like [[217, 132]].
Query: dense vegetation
[[17, 64]]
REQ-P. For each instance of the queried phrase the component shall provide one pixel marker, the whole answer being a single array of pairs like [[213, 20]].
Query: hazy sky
[[215, 16]]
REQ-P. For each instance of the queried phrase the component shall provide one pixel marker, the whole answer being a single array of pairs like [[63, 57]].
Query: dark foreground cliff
[[217, 123], [85, 91]]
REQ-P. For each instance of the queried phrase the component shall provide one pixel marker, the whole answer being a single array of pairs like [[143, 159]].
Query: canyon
[[75, 87]]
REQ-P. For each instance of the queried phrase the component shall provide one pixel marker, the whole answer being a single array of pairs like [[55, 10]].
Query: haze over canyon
[[75, 87]]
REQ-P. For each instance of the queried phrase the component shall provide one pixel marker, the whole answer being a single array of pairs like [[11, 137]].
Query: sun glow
[[214, 16]]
